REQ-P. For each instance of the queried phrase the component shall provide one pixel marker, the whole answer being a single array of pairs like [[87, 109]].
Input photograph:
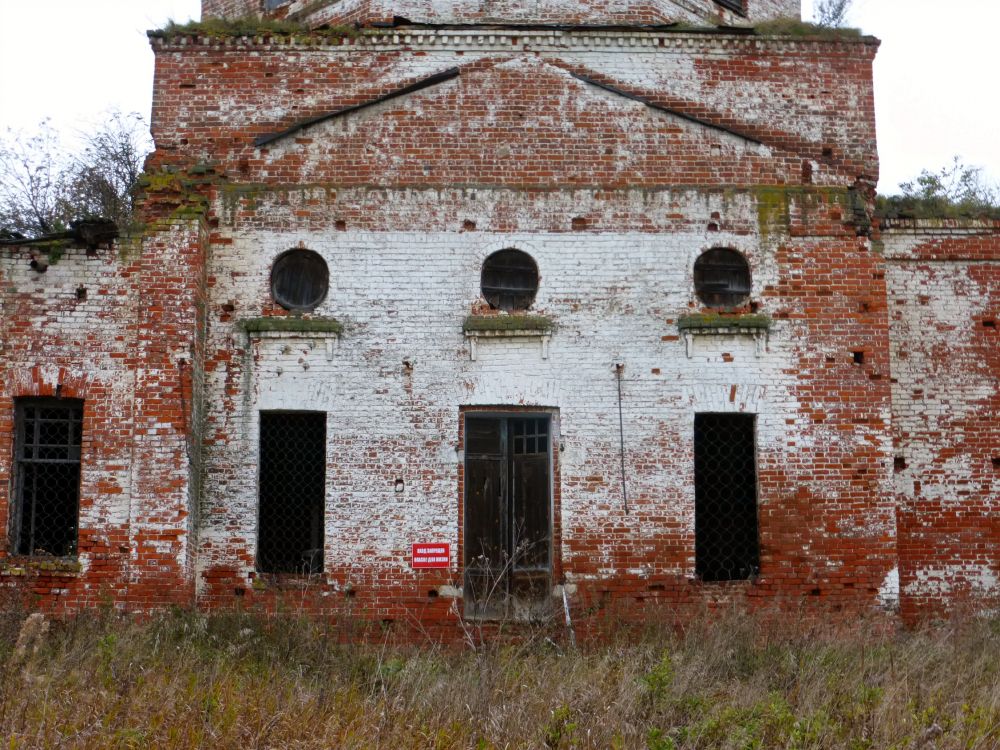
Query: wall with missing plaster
[[944, 282], [404, 158]]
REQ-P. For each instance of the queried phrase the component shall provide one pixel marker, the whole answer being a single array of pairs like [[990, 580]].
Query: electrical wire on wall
[[619, 367]]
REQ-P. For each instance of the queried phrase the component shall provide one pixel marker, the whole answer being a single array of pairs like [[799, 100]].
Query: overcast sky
[[935, 75]]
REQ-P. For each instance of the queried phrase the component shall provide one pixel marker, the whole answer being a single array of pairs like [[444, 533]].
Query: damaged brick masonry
[[587, 297]]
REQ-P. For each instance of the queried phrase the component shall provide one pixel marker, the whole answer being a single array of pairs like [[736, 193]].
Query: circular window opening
[[510, 280], [300, 279], [721, 277]]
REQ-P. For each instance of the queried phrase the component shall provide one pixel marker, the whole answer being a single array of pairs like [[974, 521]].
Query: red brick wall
[[119, 350], [944, 313]]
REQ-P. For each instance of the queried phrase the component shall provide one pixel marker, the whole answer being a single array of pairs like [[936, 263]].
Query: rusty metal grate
[[725, 475], [46, 504], [292, 492]]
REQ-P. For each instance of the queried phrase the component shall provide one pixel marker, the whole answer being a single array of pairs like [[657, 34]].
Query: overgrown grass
[[250, 26], [235, 681]]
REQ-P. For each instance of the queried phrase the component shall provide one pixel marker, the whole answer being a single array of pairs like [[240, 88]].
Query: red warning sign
[[431, 556]]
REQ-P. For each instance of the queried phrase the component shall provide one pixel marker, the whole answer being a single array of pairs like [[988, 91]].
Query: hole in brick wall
[[859, 357], [807, 172], [579, 223], [754, 307], [815, 592], [239, 591], [187, 86], [468, 225], [898, 463], [350, 594], [864, 307], [996, 462], [432, 594], [656, 587], [81, 293], [713, 227], [989, 324], [827, 152], [340, 225]]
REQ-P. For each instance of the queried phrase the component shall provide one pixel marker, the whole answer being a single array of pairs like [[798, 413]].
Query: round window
[[721, 277], [300, 279], [510, 280]]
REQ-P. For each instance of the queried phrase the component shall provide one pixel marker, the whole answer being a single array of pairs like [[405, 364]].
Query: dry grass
[[236, 681]]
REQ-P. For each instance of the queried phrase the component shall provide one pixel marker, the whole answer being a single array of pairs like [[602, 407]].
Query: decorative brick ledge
[[714, 324], [477, 327]]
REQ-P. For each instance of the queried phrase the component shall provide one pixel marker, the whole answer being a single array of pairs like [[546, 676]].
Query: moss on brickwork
[[507, 323], [701, 321], [795, 27], [292, 325], [250, 26]]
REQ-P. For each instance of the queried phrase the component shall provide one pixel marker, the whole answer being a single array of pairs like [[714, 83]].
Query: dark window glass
[[46, 508], [725, 480], [510, 280], [300, 279], [508, 527], [721, 277], [292, 492]]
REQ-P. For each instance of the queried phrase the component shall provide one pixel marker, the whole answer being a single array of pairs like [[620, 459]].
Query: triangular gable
[[524, 122]]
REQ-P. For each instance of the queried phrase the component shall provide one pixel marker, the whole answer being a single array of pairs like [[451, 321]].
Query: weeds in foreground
[[226, 681]]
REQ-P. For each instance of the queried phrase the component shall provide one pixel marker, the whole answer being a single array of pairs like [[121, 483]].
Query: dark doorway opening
[[508, 516], [725, 478], [292, 492]]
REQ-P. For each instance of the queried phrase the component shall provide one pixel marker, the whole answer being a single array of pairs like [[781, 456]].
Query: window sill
[[326, 329], [59, 566], [756, 327], [478, 327]]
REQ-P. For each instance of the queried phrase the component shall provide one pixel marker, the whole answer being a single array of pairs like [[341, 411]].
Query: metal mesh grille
[[47, 495], [725, 474], [292, 492]]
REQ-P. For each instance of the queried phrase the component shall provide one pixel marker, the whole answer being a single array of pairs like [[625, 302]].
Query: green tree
[[955, 190]]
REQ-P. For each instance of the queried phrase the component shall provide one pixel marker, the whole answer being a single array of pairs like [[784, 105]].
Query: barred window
[[46, 507], [722, 277], [292, 492], [510, 280], [300, 279], [725, 480]]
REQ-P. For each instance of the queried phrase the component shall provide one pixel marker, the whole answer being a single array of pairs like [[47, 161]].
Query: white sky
[[936, 93]]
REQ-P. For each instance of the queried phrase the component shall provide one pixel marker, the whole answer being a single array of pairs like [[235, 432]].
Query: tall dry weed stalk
[[728, 680]]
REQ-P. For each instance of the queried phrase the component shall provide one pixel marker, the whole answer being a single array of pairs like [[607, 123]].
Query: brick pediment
[[520, 122]]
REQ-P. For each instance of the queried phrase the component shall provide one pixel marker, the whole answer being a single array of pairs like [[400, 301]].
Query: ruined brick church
[[493, 309]]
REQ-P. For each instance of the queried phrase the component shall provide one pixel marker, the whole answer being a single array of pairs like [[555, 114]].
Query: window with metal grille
[[509, 280], [721, 277], [292, 492], [46, 508], [300, 279], [725, 505], [508, 528]]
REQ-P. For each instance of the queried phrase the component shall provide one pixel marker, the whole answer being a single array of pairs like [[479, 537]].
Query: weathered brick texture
[[944, 281], [614, 158], [582, 12]]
